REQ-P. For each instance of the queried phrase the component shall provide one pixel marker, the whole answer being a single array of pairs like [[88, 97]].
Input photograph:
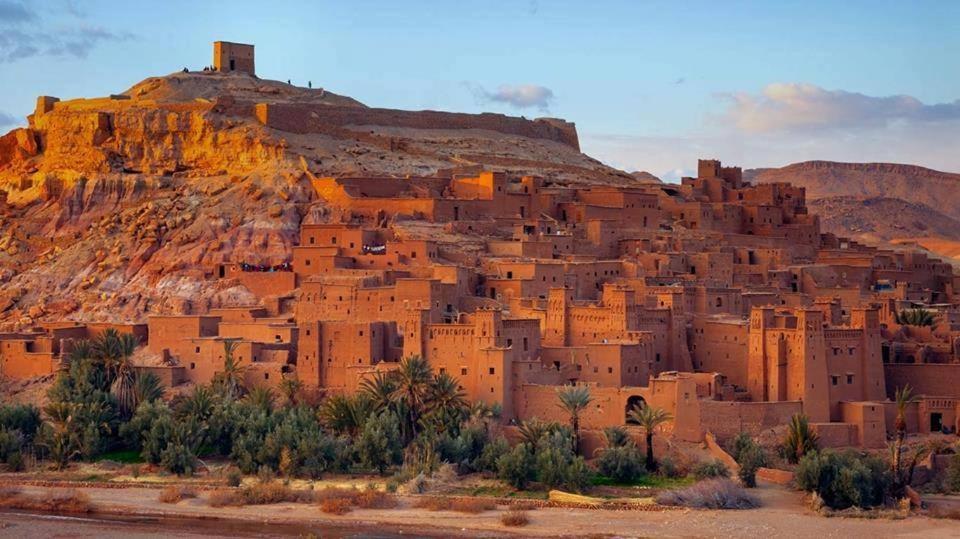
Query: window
[[266, 376], [463, 371], [834, 380], [492, 370], [849, 379], [193, 366], [198, 349], [609, 370]]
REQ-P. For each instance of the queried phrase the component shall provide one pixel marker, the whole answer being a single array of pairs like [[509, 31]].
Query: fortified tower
[[229, 56]]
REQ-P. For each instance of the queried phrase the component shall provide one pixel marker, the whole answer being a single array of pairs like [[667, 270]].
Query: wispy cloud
[[7, 120], [15, 13], [520, 96], [25, 34], [794, 107]]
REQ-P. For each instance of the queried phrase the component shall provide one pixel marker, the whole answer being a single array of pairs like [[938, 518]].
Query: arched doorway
[[636, 401]]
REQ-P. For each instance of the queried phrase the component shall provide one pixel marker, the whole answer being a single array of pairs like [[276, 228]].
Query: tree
[[616, 437], [916, 317], [413, 379], [517, 467], [231, 380], [649, 418], [800, 439], [446, 403], [146, 388], [346, 414], [290, 389], [379, 445], [381, 389], [574, 400], [262, 398], [903, 397]]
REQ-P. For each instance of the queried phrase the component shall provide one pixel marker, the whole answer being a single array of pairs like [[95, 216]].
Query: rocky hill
[[919, 185], [116, 207], [879, 203]]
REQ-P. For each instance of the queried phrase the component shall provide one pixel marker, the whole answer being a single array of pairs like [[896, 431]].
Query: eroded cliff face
[[116, 208]]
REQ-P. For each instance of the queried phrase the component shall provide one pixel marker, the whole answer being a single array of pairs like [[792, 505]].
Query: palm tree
[[261, 397], [903, 398], [381, 388], [199, 404], [413, 385], [916, 317], [446, 402], [800, 439], [574, 399], [649, 418], [616, 437], [146, 388], [346, 415], [63, 442], [532, 430], [290, 388], [231, 379], [80, 350], [114, 350]]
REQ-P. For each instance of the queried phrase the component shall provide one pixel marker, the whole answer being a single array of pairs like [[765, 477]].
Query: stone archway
[[633, 402]]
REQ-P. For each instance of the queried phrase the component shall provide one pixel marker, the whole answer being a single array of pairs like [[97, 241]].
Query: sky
[[651, 85]]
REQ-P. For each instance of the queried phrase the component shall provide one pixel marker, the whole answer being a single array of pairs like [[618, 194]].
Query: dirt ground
[[782, 515]]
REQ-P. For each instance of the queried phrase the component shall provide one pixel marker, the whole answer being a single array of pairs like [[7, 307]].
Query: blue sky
[[651, 85]]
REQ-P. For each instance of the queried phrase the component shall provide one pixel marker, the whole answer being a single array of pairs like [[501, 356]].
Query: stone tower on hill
[[229, 56]]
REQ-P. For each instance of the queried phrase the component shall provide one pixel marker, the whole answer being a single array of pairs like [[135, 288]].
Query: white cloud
[[521, 96], [24, 34], [806, 107]]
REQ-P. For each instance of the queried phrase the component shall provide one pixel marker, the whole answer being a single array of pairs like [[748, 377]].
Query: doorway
[[936, 421]]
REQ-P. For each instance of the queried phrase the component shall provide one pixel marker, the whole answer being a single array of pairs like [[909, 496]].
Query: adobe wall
[[263, 283], [835, 434], [296, 118], [936, 380], [726, 419]]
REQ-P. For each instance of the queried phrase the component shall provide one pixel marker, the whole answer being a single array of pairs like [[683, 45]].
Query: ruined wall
[[319, 118], [726, 419]]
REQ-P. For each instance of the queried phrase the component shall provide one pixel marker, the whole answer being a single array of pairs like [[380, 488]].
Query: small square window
[[463, 371], [492, 370]]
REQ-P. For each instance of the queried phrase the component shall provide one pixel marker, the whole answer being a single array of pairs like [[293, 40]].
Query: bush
[[224, 497], [517, 466], [749, 455], [953, 474], [800, 439], [710, 494], [514, 518], [751, 460], [622, 463], [711, 469], [374, 499], [557, 466], [460, 505], [844, 478], [68, 501], [491, 454], [234, 478], [174, 494], [379, 445], [336, 506], [667, 467], [261, 493]]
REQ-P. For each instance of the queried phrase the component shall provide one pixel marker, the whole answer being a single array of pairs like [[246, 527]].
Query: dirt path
[[781, 516]]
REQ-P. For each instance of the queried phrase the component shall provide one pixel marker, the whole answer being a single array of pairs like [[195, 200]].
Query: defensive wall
[[303, 118]]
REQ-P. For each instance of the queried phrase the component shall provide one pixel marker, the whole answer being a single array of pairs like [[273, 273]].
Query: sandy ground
[[782, 516]]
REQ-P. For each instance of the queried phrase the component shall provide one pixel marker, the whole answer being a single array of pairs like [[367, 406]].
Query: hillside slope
[[119, 207], [919, 185]]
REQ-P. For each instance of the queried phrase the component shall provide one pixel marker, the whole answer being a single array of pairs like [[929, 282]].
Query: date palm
[[291, 388], [574, 400], [262, 398], [114, 350], [231, 380], [446, 402], [649, 418], [800, 439], [903, 398], [381, 389], [346, 415], [146, 388], [916, 317], [413, 378]]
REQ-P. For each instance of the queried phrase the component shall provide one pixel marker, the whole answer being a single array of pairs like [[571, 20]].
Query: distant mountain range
[[879, 203]]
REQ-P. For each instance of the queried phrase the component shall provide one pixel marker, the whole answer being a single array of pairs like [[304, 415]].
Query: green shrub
[[844, 478], [711, 469], [800, 439], [379, 445], [517, 466], [953, 474], [623, 464], [557, 465], [751, 460]]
